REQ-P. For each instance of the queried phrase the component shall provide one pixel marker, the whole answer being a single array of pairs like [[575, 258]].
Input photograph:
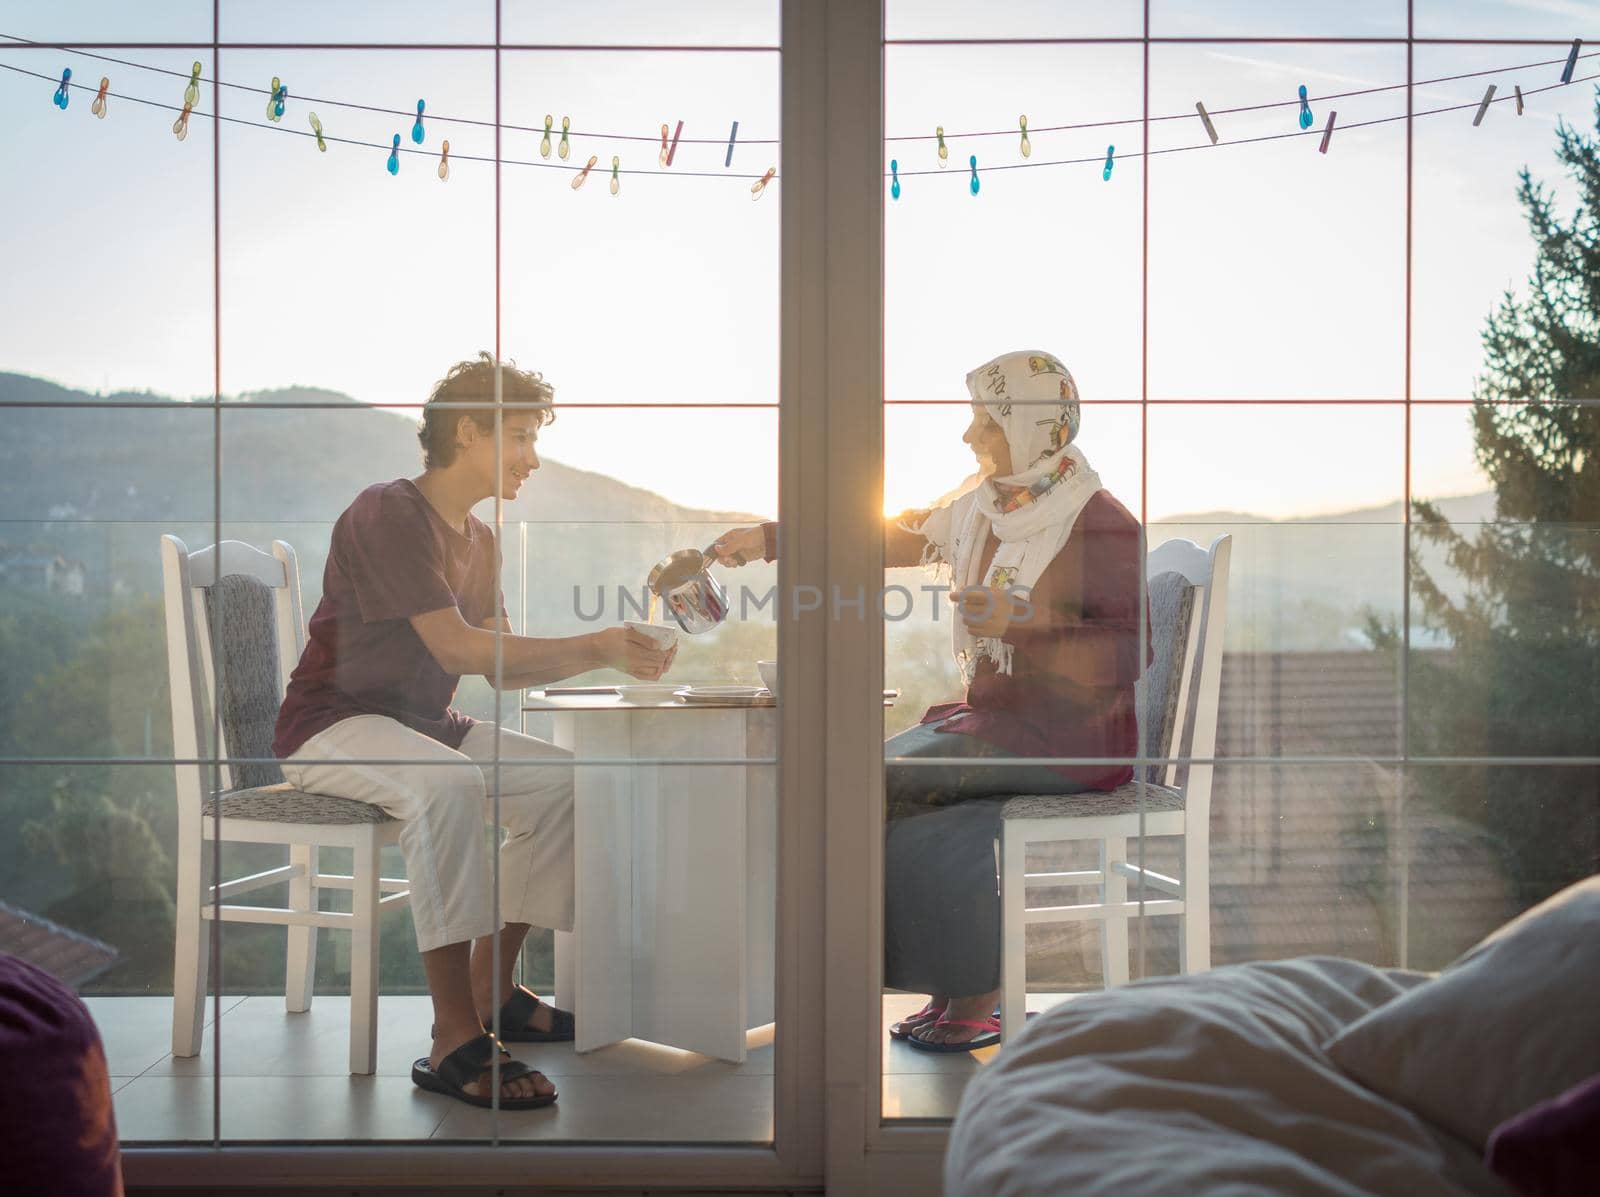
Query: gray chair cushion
[[240, 610], [1124, 800], [285, 804], [1171, 611]]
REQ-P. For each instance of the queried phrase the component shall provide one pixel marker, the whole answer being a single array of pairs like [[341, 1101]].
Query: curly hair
[[472, 382]]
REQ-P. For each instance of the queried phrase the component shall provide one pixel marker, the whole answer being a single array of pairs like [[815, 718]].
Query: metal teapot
[[684, 585]]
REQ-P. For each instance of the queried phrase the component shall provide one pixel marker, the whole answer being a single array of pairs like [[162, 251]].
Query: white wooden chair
[[1188, 589], [234, 612]]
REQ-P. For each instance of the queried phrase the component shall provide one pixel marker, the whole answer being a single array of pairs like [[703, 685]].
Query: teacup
[[769, 674], [663, 635]]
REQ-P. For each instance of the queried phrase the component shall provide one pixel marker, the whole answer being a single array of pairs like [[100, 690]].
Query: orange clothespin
[[662, 156], [444, 161], [759, 187], [99, 105], [180, 127], [582, 177]]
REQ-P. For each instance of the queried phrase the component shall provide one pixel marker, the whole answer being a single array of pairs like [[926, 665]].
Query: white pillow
[[1514, 1021]]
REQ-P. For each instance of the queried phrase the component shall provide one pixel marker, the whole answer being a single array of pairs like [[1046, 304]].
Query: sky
[[1274, 273]]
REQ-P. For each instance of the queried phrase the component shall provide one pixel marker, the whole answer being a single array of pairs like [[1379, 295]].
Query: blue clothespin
[[894, 175], [275, 105], [1566, 71], [61, 96], [417, 133], [394, 156], [728, 161], [1305, 109], [1111, 151], [973, 161]]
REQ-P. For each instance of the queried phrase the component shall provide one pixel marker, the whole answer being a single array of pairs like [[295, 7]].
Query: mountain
[[97, 483]]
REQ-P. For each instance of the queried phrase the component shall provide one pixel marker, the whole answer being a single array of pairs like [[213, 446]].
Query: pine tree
[[1522, 611]]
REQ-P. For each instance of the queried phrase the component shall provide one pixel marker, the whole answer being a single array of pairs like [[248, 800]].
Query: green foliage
[[1518, 600]]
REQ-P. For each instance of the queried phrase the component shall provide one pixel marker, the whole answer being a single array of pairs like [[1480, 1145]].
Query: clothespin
[[1327, 133], [662, 156], [444, 161], [564, 148], [1518, 89], [1572, 60], [61, 97], [316, 127], [1027, 146], [894, 173], [582, 176], [973, 163], [394, 156], [417, 131], [1205, 119], [1111, 152], [280, 92], [1305, 109], [944, 152], [759, 187], [180, 127], [616, 184], [728, 161], [99, 105], [544, 142], [673, 149], [191, 94], [1483, 106]]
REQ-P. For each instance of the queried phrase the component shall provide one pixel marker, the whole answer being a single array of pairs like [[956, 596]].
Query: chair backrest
[[234, 627], [1188, 588]]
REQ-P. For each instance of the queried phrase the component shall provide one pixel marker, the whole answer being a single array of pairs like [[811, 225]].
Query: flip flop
[[922, 1017], [519, 1008], [467, 1064], [989, 1025]]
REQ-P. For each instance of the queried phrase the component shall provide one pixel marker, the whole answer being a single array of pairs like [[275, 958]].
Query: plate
[[719, 693], [648, 692]]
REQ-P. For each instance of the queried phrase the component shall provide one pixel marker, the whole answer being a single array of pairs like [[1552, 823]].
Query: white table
[[676, 873]]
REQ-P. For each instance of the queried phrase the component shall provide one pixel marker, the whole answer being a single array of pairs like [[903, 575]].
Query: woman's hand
[[739, 545], [986, 610], [635, 653]]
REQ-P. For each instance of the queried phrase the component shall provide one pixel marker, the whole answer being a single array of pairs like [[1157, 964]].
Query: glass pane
[[1257, 279], [121, 189], [1486, 843], [634, 23], [1494, 18], [305, 22], [913, 19], [701, 246], [1257, 18], [1466, 191], [89, 21]]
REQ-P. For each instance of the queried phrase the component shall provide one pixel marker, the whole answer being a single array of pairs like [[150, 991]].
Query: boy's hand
[[635, 653], [737, 546], [986, 610]]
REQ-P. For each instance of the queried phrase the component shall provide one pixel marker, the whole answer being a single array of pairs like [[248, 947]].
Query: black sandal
[[467, 1064], [518, 1010]]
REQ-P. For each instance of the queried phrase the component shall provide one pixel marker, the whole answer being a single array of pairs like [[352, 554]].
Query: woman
[[1044, 566]]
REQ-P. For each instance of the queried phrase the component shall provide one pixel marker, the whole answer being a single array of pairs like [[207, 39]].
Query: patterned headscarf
[[1033, 398]]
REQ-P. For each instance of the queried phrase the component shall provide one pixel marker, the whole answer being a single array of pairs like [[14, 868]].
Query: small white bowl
[[769, 674], [663, 635]]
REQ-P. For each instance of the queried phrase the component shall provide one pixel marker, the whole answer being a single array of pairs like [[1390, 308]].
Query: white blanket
[[1214, 1083]]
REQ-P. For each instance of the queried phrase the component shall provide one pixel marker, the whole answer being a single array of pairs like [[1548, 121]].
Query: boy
[[410, 602]]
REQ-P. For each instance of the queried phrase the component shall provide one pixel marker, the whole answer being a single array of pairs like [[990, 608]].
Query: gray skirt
[[941, 917]]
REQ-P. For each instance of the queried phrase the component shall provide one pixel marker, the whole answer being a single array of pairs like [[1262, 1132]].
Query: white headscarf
[[1033, 398]]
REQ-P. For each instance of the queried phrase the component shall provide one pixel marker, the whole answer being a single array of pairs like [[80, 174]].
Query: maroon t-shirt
[[393, 556]]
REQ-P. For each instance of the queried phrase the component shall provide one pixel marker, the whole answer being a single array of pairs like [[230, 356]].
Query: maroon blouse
[[392, 556], [1074, 664]]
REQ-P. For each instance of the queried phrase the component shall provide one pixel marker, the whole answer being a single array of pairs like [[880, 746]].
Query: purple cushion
[[1553, 1149], [57, 1131]]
